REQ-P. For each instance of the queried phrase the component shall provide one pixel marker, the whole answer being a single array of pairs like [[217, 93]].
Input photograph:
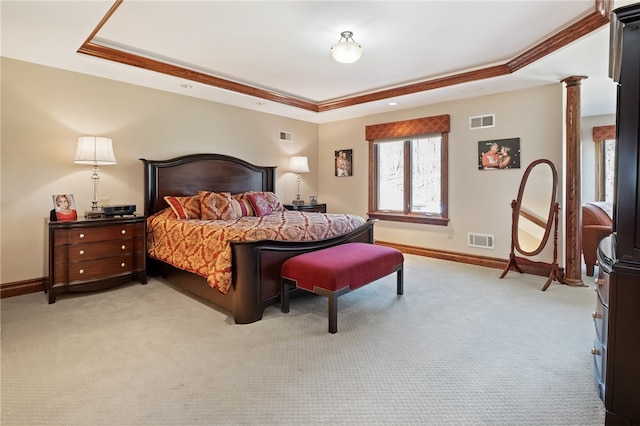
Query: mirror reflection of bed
[[245, 279], [535, 221]]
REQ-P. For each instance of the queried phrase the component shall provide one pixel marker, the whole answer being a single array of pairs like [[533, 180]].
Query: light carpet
[[460, 347]]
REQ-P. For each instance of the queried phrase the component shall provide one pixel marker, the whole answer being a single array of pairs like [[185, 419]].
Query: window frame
[[600, 135], [410, 129]]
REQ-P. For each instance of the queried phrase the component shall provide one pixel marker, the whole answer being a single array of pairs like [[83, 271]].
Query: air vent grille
[[286, 136], [481, 240], [482, 121]]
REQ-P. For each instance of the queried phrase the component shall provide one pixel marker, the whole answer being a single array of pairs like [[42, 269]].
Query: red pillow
[[275, 203], [216, 206], [184, 207], [260, 204]]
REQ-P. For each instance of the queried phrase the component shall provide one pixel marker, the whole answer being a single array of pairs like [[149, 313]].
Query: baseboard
[[22, 287], [37, 284], [489, 262]]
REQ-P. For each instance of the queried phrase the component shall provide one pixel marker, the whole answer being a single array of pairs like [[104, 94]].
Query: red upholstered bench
[[336, 270]]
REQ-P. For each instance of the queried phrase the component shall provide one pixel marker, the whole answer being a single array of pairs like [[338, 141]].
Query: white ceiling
[[284, 47]]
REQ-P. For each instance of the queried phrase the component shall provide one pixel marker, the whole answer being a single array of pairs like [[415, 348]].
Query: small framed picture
[[499, 154], [343, 162], [313, 199], [64, 207]]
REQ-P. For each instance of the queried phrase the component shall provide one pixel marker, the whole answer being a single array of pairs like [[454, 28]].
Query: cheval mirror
[[534, 215]]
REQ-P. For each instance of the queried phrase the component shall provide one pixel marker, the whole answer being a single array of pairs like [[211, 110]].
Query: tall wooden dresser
[[617, 316]]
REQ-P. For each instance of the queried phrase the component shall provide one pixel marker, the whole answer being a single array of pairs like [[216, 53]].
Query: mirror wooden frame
[[551, 223], [515, 226]]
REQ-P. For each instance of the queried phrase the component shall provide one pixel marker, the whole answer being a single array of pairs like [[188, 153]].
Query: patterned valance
[[407, 128], [604, 133]]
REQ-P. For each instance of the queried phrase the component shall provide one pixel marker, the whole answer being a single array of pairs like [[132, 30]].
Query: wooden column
[[572, 208]]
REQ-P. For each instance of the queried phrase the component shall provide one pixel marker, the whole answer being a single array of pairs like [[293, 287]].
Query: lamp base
[[298, 202]]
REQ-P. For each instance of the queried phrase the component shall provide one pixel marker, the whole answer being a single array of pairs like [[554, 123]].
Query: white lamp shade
[[94, 150], [299, 165], [346, 52]]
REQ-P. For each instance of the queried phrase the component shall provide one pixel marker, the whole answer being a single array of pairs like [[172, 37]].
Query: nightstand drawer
[[98, 269], [98, 233], [308, 208], [97, 250]]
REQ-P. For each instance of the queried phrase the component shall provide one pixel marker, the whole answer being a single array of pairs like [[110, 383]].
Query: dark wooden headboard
[[189, 174]]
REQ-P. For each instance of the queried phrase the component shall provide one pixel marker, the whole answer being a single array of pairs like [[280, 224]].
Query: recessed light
[[393, 103], [186, 86], [260, 103]]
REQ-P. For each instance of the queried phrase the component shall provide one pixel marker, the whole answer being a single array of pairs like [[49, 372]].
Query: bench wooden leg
[[333, 313], [285, 287], [333, 305]]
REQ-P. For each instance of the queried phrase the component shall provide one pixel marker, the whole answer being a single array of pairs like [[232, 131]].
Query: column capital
[[574, 80]]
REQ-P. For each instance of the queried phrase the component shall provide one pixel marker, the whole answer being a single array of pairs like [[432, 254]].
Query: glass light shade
[[94, 150], [299, 165], [346, 52]]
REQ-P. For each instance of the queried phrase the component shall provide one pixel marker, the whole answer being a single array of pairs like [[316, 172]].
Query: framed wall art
[[343, 162], [499, 154]]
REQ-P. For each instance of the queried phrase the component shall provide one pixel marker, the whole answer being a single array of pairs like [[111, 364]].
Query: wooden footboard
[[256, 269]]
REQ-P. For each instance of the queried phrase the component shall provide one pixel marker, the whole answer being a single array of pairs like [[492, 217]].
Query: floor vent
[[481, 240], [482, 121], [286, 136]]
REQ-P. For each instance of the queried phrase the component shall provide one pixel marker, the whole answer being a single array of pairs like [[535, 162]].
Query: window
[[408, 170], [604, 137], [609, 157]]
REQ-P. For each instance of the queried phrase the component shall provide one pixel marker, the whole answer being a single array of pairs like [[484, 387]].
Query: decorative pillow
[[272, 199], [184, 207], [274, 202], [242, 207], [260, 204], [216, 206]]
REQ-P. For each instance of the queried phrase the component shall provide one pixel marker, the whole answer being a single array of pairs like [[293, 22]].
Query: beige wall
[[44, 110], [479, 201]]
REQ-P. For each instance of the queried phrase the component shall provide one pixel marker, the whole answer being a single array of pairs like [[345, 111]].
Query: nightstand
[[317, 208], [94, 254]]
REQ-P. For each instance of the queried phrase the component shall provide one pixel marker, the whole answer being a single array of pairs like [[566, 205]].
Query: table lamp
[[95, 151], [298, 165]]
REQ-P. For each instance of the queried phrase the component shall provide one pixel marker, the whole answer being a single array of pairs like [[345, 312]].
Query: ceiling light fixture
[[347, 51]]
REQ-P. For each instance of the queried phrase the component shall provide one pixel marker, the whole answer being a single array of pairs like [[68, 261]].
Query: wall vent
[[481, 240], [286, 136], [482, 121]]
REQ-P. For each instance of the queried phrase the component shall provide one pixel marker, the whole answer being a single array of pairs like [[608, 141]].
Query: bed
[[255, 265]]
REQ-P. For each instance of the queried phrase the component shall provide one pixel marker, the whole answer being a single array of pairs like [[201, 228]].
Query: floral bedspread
[[202, 246]]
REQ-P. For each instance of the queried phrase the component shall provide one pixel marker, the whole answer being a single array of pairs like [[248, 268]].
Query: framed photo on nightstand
[[64, 207]]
